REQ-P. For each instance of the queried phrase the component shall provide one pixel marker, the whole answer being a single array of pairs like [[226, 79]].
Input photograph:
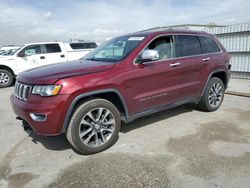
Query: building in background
[[235, 38]]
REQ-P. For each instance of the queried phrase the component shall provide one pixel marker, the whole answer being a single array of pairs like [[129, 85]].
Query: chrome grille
[[22, 91]]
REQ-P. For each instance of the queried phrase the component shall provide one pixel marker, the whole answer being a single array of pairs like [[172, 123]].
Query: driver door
[[30, 57], [157, 83]]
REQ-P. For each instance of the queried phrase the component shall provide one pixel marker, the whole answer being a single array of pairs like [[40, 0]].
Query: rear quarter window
[[209, 45], [187, 45], [53, 48], [76, 46]]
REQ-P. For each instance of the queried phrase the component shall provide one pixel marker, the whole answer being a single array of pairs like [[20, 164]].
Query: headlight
[[46, 90]]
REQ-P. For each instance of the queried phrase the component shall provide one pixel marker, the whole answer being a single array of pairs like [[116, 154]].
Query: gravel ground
[[181, 147]]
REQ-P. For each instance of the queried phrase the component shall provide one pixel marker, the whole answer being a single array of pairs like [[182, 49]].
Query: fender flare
[[210, 75], [88, 94], [5, 67]]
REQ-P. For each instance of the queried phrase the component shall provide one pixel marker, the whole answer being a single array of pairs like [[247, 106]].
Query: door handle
[[42, 57], [206, 59], [174, 64], [62, 55]]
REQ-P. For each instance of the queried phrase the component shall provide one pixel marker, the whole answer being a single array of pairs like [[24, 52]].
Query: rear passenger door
[[191, 62], [54, 53], [214, 58]]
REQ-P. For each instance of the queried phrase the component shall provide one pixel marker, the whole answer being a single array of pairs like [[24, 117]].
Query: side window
[[90, 45], [76, 46], [53, 48], [164, 46], [187, 45], [83, 45], [32, 50], [208, 45]]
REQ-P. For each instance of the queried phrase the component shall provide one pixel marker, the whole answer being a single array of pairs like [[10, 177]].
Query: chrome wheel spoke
[[110, 122], [108, 130], [105, 115], [215, 101], [102, 137], [99, 114], [85, 122], [90, 115], [82, 134], [96, 139], [86, 141]]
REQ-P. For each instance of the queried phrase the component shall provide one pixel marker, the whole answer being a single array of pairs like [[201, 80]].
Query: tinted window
[[164, 46], [90, 45], [52, 48], [32, 50], [208, 45], [83, 45], [187, 45]]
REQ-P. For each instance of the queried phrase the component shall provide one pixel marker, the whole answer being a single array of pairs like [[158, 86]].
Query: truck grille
[[22, 91]]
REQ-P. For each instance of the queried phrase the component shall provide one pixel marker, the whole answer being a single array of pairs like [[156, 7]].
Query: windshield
[[13, 51], [115, 49]]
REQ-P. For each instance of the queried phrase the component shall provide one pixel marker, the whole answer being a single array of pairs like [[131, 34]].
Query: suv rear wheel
[[94, 126], [213, 95], [6, 78]]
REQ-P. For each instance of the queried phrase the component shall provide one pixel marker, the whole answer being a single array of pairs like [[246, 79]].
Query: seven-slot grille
[[22, 91]]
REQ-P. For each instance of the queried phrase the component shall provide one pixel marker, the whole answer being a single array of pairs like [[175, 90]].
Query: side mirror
[[148, 55], [21, 54]]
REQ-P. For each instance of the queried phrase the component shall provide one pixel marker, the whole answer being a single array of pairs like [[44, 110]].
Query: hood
[[51, 73], [6, 58]]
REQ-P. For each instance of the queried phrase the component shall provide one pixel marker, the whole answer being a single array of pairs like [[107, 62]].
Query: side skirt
[[161, 108]]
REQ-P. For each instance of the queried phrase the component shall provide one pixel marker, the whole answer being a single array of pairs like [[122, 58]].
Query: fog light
[[38, 117]]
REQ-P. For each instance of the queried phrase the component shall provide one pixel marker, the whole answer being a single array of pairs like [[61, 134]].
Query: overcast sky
[[24, 21]]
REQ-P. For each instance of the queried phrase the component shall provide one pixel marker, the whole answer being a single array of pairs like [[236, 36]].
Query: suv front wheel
[[94, 126], [213, 95]]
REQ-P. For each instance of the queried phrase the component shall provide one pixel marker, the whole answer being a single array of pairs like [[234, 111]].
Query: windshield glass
[[13, 51], [115, 49]]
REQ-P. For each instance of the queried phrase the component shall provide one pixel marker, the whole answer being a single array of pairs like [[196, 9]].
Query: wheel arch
[[221, 73], [112, 95], [4, 67]]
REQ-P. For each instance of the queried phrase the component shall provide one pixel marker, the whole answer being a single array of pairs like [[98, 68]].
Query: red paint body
[[143, 87]]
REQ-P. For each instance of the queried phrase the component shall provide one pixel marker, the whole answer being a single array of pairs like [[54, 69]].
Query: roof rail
[[160, 28]]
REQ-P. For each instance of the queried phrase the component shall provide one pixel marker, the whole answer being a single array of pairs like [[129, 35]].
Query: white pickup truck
[[39, 54]]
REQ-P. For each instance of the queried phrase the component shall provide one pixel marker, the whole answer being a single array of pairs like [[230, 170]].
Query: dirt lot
[[181, 147]]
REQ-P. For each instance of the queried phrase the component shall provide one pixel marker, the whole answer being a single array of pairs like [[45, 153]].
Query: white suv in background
[[39, 54]]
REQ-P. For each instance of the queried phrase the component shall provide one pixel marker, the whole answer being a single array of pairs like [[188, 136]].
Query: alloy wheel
[[215, 95], [96, 127], [4, 78]]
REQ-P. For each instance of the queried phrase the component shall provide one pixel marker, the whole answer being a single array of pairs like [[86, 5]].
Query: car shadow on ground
[[159, 116], [58, 143]]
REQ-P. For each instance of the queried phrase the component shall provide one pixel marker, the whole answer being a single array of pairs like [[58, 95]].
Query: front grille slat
[[22, 91]]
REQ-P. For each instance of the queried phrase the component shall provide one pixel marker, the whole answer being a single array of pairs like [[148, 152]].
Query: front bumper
[[52, 107]]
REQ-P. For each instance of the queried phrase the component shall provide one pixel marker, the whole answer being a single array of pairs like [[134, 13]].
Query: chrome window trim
[[163, 35]]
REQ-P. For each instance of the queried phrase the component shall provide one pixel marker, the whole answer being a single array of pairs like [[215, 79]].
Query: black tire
[[75, 125], [6, 78], [205, 101]]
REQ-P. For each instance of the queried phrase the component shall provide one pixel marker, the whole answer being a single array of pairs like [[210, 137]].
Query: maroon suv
[[125, 78]]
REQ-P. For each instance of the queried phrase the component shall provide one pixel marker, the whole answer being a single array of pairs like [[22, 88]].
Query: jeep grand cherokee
[[125, 78]]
